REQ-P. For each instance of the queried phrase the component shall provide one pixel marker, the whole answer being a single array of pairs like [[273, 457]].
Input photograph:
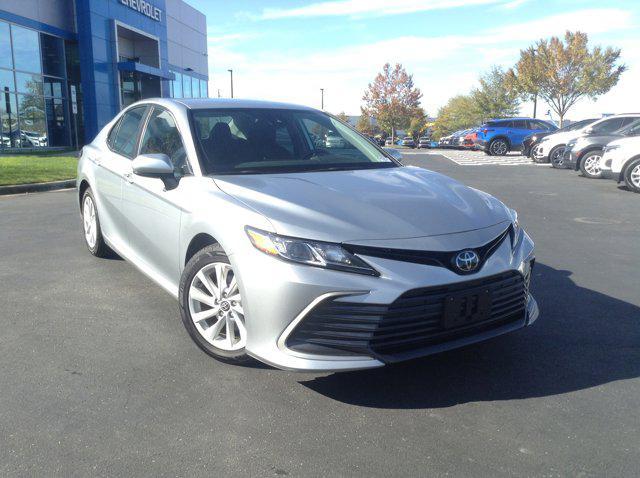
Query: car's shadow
[[581, 340]]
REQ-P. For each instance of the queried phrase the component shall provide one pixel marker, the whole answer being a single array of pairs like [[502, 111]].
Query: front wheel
[[211, 305], [590, 165], [91, 226], [498, 147], [632, 176]]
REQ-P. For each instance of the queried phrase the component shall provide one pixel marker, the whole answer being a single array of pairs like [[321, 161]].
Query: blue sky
[[287, 51]]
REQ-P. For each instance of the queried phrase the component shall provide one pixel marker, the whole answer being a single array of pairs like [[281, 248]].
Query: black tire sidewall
[[627, 176], [207, 255], [100, 247]]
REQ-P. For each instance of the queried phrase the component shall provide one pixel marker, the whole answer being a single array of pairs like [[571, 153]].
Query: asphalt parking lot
[[98, 377]]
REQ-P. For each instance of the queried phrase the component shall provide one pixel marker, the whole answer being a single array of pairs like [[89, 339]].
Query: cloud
[[367, 7], [442, 66]]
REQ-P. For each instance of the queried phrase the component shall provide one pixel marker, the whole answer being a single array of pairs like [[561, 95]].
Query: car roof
[[225, 103]]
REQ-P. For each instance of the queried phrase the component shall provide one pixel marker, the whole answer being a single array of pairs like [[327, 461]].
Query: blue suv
[[499, 136]]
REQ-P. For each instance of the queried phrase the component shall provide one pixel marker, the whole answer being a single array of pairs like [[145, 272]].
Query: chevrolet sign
[[145, 8]]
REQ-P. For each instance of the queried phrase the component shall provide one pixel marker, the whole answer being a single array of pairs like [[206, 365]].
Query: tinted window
[[124, 141], [186, 86], [633, 129], [6, 80], [628, 121], [269, 140], [5, 46], [520, 124], [162, 136], [52, 55], [26, 49], [577, 125], [541, 125], [607, 126]]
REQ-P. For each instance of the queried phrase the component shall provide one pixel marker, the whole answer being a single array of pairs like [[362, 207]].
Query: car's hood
[[340, 206]]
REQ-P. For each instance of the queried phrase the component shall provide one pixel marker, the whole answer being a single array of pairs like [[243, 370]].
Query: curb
[[37, 187]]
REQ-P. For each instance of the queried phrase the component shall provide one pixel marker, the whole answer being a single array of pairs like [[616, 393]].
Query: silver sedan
[[301, 256]]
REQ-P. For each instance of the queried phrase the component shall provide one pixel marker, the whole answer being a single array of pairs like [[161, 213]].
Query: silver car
[[301, 256]]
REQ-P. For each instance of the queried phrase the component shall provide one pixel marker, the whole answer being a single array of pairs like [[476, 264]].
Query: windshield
[[575, 126], [250, 141]]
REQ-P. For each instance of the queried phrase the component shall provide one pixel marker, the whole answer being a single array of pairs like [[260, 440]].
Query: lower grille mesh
[[412, 322]]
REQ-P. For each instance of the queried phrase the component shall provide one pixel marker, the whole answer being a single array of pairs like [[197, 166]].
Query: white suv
[[621, 161], [550, 148]]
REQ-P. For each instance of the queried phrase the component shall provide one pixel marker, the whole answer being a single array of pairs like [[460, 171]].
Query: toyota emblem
[[467, 261]]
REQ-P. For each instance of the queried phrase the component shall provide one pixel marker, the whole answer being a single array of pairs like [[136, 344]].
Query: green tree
[[418, 124], [563, 71], [364, 124], [459, 113], [392, 99], [342, 116], [495, 97]]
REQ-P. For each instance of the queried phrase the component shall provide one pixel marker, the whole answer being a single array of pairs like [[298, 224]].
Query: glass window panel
[[31, 117], [6, 80], [5, 46], [26, 49], [29, 83], [127, 134], [195, 87], [9, 118], [52, 55], [186, 86], [57, 124], [203, 89], [53, 87], [177, 86], [162, 136]]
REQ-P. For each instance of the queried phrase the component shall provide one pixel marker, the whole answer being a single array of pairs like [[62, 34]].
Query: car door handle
[[128, 177]]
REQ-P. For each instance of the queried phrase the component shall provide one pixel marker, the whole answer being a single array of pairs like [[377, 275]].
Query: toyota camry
[[303, 256]]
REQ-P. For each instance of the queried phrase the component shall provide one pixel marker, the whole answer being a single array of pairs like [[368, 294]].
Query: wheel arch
[[197, 243], [589, 149], [628, 163], [84, 185]]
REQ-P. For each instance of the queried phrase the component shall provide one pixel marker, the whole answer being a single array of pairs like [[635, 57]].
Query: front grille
[[444, 259], [409, 325]]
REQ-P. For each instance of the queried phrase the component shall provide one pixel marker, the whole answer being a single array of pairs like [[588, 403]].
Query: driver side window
[[162, 136]]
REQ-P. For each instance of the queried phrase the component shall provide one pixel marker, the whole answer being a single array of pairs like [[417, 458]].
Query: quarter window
[[162, 136], [126, 137]]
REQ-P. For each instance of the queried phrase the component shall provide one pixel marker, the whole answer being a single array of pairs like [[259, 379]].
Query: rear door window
[[520, 124], [607, 126]]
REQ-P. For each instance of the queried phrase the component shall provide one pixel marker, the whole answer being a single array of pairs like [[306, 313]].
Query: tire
[[498, 147], [590, 165], [204, 273], [554, 155], [91, 226], [632, 176], [557, 161]]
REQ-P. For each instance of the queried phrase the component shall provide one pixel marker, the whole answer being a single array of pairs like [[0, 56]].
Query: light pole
[[231, 73], [535, 95], [322, 98]]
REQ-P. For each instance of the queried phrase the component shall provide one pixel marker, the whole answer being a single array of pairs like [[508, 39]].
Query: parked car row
[[605, 147], [608, 147]]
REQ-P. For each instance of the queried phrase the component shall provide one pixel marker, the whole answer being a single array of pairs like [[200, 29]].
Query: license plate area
[[466, 308]]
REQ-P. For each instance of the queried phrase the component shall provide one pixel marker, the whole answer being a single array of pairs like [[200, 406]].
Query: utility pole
[[322, 98], [231, 72]]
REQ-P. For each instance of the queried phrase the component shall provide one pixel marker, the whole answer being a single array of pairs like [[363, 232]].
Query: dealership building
[[68, 66]]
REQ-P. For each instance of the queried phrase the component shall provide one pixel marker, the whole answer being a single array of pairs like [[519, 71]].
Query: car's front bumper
[[279, 296], [570, 159]]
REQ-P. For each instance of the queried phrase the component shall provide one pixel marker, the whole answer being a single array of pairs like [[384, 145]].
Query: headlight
[[611, 148], [516, 226], [312, 253], [534, 138]]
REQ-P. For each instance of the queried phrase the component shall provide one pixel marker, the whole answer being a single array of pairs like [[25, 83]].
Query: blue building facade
[[67, 67]]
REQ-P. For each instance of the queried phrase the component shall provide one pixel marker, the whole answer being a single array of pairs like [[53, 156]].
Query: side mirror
[[397, 155], [155, 166]]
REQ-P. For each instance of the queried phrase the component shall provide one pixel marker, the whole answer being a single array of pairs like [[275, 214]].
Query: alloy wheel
[[499, 148], [592, 165], [89, 221], [215, 306], [634, 176]]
